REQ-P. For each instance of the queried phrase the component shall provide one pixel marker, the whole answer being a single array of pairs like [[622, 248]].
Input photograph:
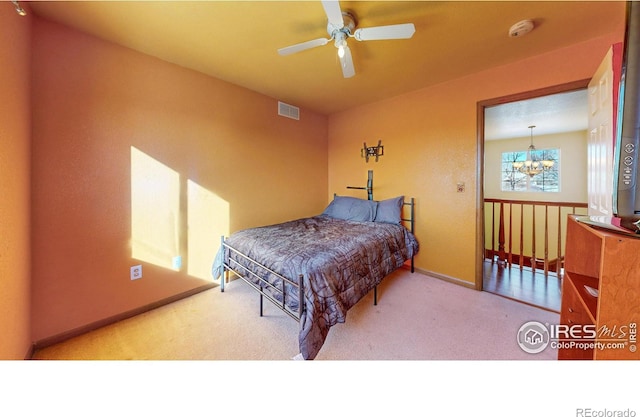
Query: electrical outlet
[[176, 262], [460, 186], [136, 272]]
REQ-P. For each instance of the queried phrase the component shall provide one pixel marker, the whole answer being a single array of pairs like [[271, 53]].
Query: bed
[[329, 261]]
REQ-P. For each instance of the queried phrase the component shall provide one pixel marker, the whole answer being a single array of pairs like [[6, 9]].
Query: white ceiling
[[557, 113]]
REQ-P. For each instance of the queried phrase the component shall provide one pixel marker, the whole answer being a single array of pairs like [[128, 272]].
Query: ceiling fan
[[341, 27]]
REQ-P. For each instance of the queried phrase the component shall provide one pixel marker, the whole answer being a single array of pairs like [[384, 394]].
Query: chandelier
[[533, 166]]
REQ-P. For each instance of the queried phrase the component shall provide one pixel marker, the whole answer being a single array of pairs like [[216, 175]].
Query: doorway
[[529, 283]]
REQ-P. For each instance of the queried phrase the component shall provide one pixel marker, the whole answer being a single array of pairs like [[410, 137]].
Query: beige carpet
[[417, 318]]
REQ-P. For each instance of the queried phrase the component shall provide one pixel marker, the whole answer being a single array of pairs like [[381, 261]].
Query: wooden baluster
[[559, 259], [521, 235], [533, 238], [546, 240], [510, 259], [501, 252], [493, 232]]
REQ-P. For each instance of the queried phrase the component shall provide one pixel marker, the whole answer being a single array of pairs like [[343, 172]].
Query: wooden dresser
[[603, 326]]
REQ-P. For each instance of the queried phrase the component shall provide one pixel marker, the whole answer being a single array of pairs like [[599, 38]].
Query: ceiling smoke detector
[[521, 28]]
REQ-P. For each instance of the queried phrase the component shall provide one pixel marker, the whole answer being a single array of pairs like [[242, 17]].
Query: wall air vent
[[287, 110]]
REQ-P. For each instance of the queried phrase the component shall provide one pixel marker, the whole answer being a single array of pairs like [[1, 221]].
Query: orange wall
[[92, 101], [15, 329], [430, 144]]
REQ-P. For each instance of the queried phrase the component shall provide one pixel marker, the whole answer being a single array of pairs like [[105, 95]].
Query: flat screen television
[[626, 190]]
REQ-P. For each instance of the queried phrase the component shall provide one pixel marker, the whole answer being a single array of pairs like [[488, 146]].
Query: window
[[546, 181]]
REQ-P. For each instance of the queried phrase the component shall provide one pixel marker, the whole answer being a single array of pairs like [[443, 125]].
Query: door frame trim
[[480, 107]]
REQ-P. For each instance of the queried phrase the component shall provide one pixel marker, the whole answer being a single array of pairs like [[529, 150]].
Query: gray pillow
[[351, 208], [390, 211]]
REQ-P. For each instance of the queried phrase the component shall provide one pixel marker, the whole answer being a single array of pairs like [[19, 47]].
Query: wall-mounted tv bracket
[[370, 151], [369, 186]]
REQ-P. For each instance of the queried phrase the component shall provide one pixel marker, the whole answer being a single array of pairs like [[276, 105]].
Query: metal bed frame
[[280, 287]]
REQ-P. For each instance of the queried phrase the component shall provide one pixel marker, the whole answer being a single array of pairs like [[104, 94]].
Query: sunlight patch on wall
[[162, 234], [155, 211], [207, 221]]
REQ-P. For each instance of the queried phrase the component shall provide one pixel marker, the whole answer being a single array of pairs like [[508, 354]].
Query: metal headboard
[[369, 186]]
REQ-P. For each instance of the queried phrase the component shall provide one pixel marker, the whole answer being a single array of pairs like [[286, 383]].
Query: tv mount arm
[[370, 151]]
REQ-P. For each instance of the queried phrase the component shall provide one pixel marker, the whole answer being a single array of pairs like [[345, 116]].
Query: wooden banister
[[502, 246]]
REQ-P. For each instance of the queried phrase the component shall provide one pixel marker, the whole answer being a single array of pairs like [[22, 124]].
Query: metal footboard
[[260, 284], [411, 220]]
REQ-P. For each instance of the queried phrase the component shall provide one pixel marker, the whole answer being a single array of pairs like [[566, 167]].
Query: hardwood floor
[[523, 285]]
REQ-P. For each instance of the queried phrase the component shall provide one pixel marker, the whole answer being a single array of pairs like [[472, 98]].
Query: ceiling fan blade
[[402, 31], [334, 13], [302, 46], [346, 62]]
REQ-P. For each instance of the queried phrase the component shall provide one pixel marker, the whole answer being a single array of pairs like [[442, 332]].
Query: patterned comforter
[[340, 261]]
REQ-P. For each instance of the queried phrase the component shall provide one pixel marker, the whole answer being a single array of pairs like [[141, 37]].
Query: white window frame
[[511, 180]]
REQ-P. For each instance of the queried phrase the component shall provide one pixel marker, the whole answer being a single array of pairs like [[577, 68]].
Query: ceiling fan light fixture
[[341, 43], [340, 27], [19, 9]]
